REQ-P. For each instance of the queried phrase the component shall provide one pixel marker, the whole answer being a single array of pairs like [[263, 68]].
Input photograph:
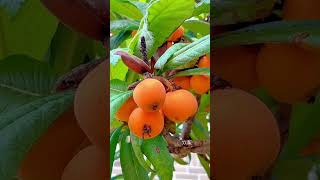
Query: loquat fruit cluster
[[146, 110]]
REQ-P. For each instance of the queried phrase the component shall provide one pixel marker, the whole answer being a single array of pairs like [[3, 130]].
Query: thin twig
[[183, 147], [165, 82], [187, 126], [218, 83]]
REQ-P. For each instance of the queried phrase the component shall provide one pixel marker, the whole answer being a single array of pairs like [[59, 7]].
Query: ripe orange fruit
[[182, 81], [237, 65], [126, 109], [146, 125], [200, 84], [301, 10], [246, 135], [149, 95], [88, 164], [204, 62], [288, 73], [90, 105], [85, 143], [180, 105], [176, 35], [169, 44], [51, 153]]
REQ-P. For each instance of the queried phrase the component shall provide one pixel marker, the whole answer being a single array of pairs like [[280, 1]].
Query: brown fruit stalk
[[85, 16], [134, 63]]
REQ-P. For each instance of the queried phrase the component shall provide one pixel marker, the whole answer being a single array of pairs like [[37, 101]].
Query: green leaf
[[189, 54], [292, 169], [69, 49], [118, 39], [29, 32], [141, 5], [136, 145], [204, 102], [197, 26], [231, 12], [168, 54], [269, 101], [12, 7], [126, 8], [182, 161], [130, 166], [304, 125], [195, 71], [123, 25], [118, 70], [163, 18], [23, 126], [202, 7], [199, 131], [113, 144], [205, 164], [117, 177], [26, 75], [272, 32], [118, 95], [156, 151]]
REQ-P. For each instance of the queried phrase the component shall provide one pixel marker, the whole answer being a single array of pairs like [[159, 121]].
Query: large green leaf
[[114, 139], [21, 127], [26, 75], [292, 169], [163, 18], [118, 95], [123, 25], [189, 54], [157, 152], [118, 39], [29, 32], [231, 12], [23, 79], [304, 125], [118, 71], [197, 26], [195, 71], [168, 54], [136, 146], [69, 49], [130, 166], [307, 32], [126, 8], [202, 7]]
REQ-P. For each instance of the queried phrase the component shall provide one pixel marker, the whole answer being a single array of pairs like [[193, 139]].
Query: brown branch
[[187, 126], [186, 129], [165, 82], [218, 83], [72, 79], [184, 147], [133, 85]]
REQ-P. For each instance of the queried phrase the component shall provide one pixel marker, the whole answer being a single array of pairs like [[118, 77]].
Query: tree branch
[[187, 126], [184, 147]]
